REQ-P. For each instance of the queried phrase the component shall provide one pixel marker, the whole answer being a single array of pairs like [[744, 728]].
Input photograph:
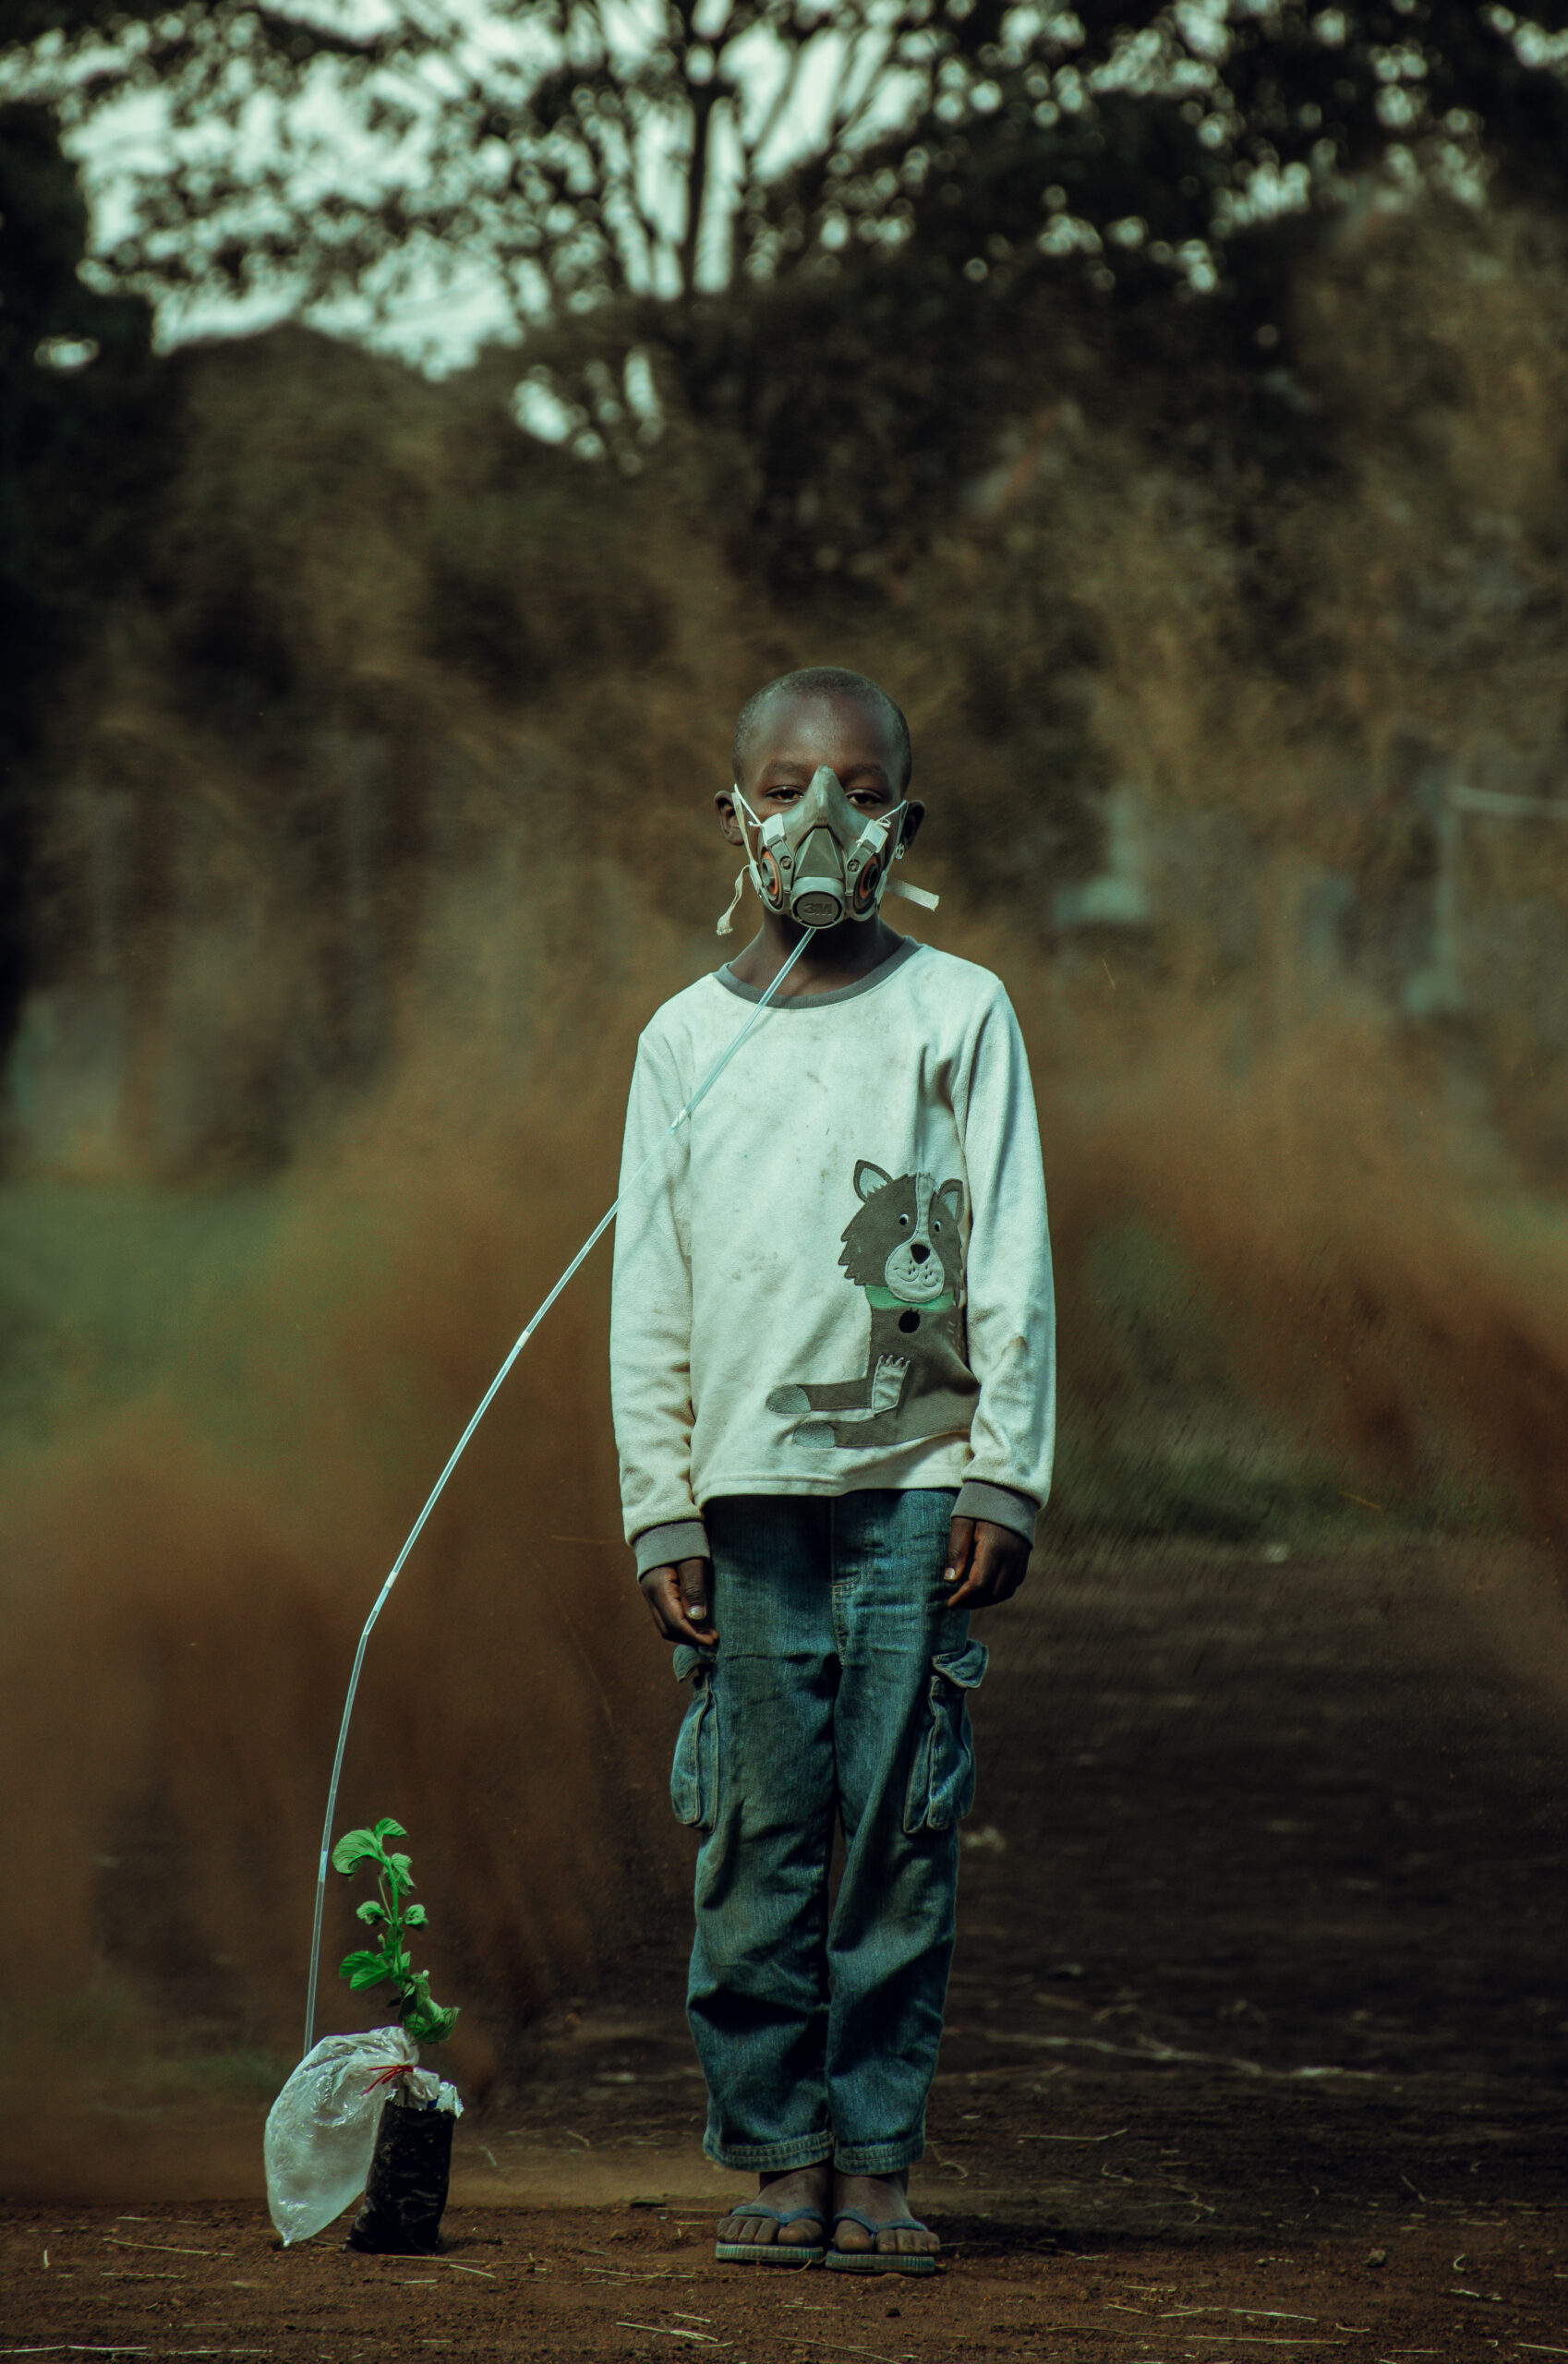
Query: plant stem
[[391, 1943]]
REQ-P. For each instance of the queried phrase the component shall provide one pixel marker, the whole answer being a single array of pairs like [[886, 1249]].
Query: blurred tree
[[1139, 139], [77, 448], [851, 233], [567, 150], [559, 152]]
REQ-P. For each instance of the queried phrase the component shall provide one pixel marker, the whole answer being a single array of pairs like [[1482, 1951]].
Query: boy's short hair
[[832, 680]]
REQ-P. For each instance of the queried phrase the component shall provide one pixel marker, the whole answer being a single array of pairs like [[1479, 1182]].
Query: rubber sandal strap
[[780, 2216], [888, 2223]]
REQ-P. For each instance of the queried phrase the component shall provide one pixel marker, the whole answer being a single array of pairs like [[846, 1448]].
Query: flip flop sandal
[[772, 2253], [880, 2261]]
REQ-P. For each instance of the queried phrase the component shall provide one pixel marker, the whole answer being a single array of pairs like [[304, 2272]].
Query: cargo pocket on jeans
[[941, 1789], [693, 1776]]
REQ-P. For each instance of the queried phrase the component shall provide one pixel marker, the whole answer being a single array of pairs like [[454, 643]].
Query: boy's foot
[[806, 2187], [872, 2219]]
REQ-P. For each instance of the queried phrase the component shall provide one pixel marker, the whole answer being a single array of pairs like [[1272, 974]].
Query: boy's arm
[[650, 1323], [1010, 1317]]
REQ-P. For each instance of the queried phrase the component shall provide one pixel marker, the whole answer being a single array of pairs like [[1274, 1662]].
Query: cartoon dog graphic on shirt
[[904, 1248]]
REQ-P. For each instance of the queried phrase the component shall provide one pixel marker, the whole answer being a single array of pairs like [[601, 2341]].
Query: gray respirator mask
[[821, 861]]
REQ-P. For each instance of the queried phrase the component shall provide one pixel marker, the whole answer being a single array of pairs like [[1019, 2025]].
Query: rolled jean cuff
[[770, 2158], [1002, 1505], [666, 1546], [878, 2158]]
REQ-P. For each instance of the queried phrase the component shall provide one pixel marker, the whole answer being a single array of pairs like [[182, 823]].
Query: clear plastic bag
[[321, 2128]]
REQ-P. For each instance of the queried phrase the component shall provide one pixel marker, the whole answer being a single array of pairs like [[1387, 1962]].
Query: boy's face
[[793, 735]]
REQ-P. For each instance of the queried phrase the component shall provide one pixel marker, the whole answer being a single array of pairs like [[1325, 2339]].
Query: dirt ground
[[1258, 2039], [556, 2282]]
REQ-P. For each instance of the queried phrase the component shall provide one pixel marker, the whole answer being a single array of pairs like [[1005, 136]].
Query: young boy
[[832, 1351]]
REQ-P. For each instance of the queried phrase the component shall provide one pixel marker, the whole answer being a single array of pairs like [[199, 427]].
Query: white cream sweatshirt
[[837, 1273]]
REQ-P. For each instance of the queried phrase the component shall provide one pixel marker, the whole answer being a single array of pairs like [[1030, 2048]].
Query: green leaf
[[414, 1918], [371, 1975], [388, 1828], [352, 1964], [370, 1911], [401, 1870], [433, 2024], [353, 1847]]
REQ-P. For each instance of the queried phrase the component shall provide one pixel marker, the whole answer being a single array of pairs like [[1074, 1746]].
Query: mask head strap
[[726, 924]]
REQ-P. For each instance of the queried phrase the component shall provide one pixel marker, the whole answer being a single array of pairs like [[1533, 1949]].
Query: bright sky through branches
[[439, 307], [430, 176]]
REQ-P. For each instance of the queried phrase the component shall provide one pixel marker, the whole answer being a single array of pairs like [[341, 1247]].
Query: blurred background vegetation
[[421, 425]]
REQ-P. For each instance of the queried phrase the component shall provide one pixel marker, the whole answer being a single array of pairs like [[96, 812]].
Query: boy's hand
[[985, 1563], [678, 1599]]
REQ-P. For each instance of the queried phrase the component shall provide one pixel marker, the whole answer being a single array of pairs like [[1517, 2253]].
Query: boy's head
[[823, 715], [827, 696]]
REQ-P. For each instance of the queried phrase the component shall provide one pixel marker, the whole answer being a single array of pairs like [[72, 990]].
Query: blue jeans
[[838, 1688]]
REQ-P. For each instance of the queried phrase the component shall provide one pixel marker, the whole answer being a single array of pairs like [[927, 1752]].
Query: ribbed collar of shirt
[[866, 984]]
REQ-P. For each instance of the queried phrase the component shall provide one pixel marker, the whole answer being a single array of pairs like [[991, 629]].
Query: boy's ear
[[910, 826], [952, 1196], [870, 1178], [728, 819]]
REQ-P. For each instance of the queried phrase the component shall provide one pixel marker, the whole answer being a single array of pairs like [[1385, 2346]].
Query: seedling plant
[[386, 1913]]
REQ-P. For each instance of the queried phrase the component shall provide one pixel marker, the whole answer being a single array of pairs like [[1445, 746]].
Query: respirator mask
[[821, 861]]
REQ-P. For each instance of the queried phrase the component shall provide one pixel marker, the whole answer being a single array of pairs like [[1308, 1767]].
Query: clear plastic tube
[[458, 1449]]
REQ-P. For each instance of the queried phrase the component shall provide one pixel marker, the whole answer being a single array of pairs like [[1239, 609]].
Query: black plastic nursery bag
[[405, 2192]]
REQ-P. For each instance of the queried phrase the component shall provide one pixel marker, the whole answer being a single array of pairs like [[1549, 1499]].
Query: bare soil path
[[641, 2283], [1258, 2039]]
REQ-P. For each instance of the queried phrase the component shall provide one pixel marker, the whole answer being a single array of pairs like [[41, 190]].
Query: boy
[[832, 1361]]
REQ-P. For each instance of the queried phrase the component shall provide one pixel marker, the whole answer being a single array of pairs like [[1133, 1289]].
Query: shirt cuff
[[677, 1539], [1002, 1505]]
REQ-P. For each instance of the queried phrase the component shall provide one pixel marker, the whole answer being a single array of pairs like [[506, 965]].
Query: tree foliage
[[81, 449], [560, 152]]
